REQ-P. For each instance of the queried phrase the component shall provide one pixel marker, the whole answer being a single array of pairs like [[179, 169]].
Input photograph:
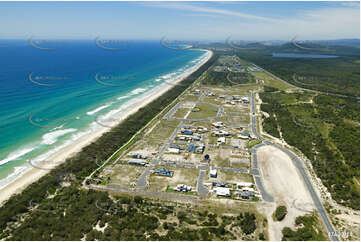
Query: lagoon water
[[50, 97], [296, 55]]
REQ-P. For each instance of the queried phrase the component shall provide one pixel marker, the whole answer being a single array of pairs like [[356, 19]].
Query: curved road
[[305, 89], [301, 169]]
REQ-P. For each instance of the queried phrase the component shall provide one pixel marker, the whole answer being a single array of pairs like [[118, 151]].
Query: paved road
[[257, 175], [170, 113], [178, 164], [201, 189], [142, 180], [240, 84], [218, 115], [305, 89], [265, 195], [179, 196], [301, 169], [172, 110]]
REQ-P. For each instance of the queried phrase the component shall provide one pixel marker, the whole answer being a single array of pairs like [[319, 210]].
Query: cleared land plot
[[285, 184], [181, 112], [203, 110], [240, 162], [187, 176], [214, 100], [190, 98], [162, 131], [123, 175], [239, 118], [228, 157], [234, 108], [217, 161], [244, 90], [270, 81], [230, 177], [184, 157]]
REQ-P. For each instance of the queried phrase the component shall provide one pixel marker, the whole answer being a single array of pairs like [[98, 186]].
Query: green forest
[[337, 75], [326, 131]]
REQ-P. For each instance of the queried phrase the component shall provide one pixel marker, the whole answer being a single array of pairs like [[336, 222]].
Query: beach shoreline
[[34, 174]]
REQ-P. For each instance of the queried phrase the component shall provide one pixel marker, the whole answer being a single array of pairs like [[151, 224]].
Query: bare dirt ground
[[187, 176], [282, 181], [124, 175]]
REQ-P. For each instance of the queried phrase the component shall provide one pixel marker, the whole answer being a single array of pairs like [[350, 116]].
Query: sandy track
[[285, 184]]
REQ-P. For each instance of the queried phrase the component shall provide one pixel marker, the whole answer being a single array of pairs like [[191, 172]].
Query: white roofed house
[[218, 124], [223, 191], [221, 140], [173, 150], [245, 99], [213, 173]]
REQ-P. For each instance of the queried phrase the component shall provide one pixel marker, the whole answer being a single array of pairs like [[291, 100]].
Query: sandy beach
[[34, 174]]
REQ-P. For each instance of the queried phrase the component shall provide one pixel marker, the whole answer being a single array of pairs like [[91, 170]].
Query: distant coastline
[[75, 146]]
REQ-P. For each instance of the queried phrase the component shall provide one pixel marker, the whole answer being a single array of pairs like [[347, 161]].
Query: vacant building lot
[[123, 175], [203, 110], [187, 176]]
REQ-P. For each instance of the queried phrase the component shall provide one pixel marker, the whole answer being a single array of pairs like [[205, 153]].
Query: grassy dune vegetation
[[307, 229], [75, 214]]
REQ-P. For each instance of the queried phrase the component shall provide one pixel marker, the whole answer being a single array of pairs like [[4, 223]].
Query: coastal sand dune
[[34, 174]]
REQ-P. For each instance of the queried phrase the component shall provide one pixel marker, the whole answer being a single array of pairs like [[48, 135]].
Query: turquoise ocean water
[[53, 95]]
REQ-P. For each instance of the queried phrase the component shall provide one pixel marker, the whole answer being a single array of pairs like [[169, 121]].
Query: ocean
[[54, 92]]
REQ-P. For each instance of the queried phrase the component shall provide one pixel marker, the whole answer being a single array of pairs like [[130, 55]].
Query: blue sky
[[181, 20]]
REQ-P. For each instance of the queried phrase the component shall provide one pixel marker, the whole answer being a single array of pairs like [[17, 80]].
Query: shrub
[[280, 213]]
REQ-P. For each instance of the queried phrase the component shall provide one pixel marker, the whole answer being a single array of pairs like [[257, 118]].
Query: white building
[[221, 140], [213, 173], [223, 191], [244, 184], [173, 150], [245, 99], [218, 124]]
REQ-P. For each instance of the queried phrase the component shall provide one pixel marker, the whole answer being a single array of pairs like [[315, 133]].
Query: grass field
[[205, 111], [270, 81], [181, 112]]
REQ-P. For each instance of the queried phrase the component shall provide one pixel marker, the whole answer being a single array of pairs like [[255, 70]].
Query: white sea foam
[[52, 137], [138, 90], [58, 127], [98, 109], [16, 154], [123, 97], [18, 171]]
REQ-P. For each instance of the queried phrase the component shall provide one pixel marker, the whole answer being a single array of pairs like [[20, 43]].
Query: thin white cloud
[[351, 4], [202, 15], [202, 9], [326, 23]]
